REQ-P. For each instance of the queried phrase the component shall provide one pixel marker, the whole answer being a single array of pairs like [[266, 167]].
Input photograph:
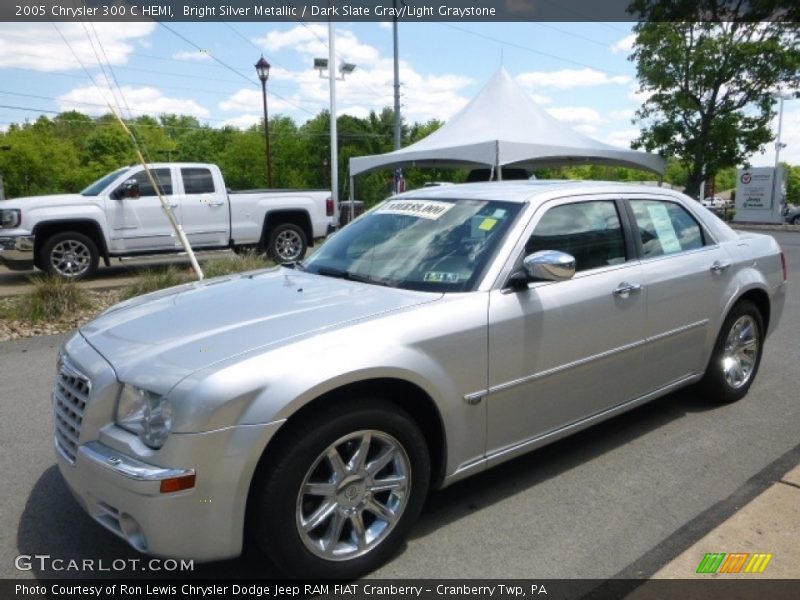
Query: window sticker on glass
[[487, 224], [499, 213], [440, 277], [425, 209], [664, 229]]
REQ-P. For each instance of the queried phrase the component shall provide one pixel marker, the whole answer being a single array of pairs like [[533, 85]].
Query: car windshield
[[101, 184], [418, 244]]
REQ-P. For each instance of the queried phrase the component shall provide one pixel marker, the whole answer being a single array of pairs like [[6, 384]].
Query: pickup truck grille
[[70, 395]]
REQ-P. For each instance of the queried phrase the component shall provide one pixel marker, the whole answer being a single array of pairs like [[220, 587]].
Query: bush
[[151, 280], [235, 263], [52, 299]]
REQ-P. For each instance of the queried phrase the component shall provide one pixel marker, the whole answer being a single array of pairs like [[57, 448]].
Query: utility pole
[[397, 142]]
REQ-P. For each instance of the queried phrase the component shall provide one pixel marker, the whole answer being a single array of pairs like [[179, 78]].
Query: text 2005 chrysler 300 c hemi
[[443, 332]]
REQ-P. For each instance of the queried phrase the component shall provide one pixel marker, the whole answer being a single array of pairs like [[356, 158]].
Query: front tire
[[339, 497], [287, 243], [69, 255], [737, 354]]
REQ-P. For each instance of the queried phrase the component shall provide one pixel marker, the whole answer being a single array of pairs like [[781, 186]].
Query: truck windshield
[[418, 244], [101, 184]]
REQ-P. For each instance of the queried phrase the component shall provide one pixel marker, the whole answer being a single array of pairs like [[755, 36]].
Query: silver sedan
[[449, 329]]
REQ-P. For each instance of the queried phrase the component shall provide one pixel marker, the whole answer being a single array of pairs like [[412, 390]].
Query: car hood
[[60, 200], [158, 339]]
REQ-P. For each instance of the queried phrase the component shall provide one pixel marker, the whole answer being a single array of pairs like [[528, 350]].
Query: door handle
[[719, 267], [625, 288], [216, 203]]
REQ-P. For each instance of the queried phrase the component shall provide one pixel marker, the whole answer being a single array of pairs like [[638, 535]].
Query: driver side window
[[589, 231], [162, 176]]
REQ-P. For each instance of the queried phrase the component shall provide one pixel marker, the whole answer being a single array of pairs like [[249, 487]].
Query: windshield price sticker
[[425, 209]]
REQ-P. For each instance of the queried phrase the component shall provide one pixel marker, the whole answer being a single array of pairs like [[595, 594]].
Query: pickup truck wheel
[[69, 255], [341, 498], [287, 243], [737, 354]]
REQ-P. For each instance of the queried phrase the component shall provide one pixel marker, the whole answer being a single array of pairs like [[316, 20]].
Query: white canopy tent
[[503, 126]]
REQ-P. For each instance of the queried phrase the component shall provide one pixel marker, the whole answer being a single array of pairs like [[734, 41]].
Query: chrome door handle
[[216, 203], [719, 267], [625, 288]]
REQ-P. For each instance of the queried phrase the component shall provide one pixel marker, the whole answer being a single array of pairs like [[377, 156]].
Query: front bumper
[[204, 523], [16, 252]]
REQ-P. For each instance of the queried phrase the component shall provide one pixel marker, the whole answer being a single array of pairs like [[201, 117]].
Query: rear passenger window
[[589, 231], [666, 227], [197, 181]]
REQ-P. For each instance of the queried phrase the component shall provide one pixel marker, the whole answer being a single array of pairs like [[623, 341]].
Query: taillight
[[329, 207], [783, 266]]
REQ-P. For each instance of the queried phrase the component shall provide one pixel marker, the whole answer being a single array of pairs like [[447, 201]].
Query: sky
[[579, 72]]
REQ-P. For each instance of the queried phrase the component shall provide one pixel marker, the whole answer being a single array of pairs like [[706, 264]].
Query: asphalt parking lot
[[621, 499]]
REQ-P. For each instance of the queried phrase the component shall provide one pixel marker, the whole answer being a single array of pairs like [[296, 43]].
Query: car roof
[[525, 191]]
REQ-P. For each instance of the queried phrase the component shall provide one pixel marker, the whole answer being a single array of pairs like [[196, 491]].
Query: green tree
[[710, 84]]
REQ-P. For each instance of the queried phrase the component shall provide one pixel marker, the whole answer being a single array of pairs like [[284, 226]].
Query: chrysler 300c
[[312, 406]]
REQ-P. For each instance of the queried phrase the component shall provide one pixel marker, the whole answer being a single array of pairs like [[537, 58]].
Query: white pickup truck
[[120, 215]]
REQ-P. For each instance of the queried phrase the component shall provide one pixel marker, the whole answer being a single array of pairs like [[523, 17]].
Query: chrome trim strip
[[678, 330], [587, 421], [475, 397], [126, 466], [540, 375], [149, 235], [225, 231]]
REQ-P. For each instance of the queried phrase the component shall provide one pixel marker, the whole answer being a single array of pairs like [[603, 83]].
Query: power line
[[527, 49]]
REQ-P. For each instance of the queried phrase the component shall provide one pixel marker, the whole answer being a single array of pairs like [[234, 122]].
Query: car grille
[[69, 401]]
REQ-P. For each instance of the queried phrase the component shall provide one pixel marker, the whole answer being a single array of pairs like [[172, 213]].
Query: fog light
[[176, 484]]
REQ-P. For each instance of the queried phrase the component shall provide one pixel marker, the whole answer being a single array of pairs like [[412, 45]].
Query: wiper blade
[[350, 276]]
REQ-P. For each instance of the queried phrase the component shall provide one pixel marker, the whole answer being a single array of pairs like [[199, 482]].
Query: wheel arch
[[87, 227], [402, 393], [298, 217]]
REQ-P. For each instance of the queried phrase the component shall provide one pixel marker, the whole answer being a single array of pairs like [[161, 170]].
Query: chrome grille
[[70, 395]]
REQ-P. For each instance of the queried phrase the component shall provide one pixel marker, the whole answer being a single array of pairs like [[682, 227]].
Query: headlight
[[10, 218], [146, 414]]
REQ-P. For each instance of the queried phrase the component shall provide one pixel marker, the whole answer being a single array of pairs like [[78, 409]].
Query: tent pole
[[497, 160], [352, 184], [660, 180]]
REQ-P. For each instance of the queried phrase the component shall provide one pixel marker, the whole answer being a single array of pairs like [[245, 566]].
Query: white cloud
[[312, 40], [141, 100], [623, 114], [640, 96], [540, 99], [576, 114], [790, 135], [247, 100], [39, 47], [196, 55], [569, 78], [586, 129], [369, 87], [622, 138], [625, 45], [385, 24], [243, 121]]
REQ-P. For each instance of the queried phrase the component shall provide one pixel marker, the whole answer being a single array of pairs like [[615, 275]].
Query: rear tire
[[287, 243], [69, 255], [338, 498], [737, 355]]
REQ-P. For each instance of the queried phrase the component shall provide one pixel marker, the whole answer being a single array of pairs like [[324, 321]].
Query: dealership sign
[[758, 198]]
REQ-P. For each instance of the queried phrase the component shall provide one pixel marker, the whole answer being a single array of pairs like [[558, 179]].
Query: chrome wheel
[[288, 245], [353, 495], [70, 258], [740, 355]]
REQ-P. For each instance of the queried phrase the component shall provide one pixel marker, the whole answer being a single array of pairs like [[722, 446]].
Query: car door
[[562, 351], [138, 223], [685, 274], [204, 208]]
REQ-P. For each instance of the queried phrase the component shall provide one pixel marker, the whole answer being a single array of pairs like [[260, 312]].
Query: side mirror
[[546, 265], [549, 265], [128, 189]]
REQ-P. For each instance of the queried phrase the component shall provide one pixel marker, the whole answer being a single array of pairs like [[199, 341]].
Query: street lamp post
[[262, 68], [780, 145], [322, 64]]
